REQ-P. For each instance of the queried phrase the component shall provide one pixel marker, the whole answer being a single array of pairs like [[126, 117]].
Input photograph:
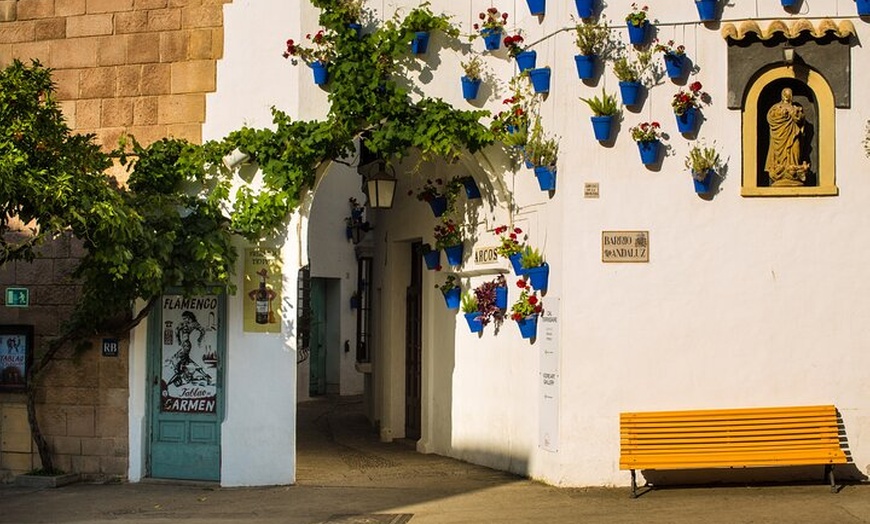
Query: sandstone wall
[[141, 67]]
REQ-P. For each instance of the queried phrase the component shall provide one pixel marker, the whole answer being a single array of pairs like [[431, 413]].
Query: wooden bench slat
[[664, 423], [733, 413], [741, 437]]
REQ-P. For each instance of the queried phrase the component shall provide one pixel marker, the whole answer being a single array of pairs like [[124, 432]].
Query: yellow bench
[[730, 438]]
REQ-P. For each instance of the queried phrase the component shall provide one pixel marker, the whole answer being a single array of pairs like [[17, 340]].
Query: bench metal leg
[[829, 475], [633, 485]]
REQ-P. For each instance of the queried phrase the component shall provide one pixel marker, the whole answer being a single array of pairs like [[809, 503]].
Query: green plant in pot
[[630, 68], [604, 109], [592, 40], [535, 267], [702, 162], [420, 22], [541, 149]]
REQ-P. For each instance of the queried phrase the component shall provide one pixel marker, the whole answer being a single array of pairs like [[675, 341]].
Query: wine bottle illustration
[[261, 300]]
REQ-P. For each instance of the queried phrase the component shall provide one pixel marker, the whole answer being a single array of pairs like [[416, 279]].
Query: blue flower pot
[[454, 255], [686, 122], [452, 297], [585, 8], [432, 258], [438, 205], [601, 126], [539, 276], [528, 326], [585, 66], [649, 151], [863, 7], [705, 184], [471, 190], [420, 42], [470, 87], [788, 3], [321, 74], [637, 33], [674, 64], [629, 92], [491, 38], [526, 60], [528, 162], [537, 7], [706, 9], [501, 297], [546, 176], [356, 28], [517, 264], [474, 323], [540, 79]]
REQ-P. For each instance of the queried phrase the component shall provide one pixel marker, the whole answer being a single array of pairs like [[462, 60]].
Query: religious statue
[[786, 121]]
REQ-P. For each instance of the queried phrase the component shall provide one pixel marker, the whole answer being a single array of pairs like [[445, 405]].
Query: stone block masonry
[[125, 57], [82, 396], [140, 67]]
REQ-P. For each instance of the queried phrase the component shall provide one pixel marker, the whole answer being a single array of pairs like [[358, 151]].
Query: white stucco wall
[[745, 301]]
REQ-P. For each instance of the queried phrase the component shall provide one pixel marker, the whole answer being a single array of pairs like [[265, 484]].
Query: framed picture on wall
[[16, 354]]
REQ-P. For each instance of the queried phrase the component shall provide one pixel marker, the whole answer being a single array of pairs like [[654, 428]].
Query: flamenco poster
[[189, 354]]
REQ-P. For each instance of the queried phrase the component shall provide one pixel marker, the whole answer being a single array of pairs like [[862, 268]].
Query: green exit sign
[[17, 297]]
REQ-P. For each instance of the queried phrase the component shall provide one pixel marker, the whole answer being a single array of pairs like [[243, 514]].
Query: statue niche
[[787, 142]]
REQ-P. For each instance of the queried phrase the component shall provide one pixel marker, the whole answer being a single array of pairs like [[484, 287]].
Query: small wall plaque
[[624, 246], [590, 190], [485, 255], [110, 347]]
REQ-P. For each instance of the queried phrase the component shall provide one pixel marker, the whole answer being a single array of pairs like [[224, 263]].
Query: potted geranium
[[604, 110], [491, 27], [448, 236], [511, 247], [702, 162], [526, 309], [674, 56], [648, 136], [543, 152], [472, 79], [317, 56], [535, 268], [431, 194], [591, 38], [451, 291], [630, 68], [685, 104], [525, 59], [637, 21], [472, 315]]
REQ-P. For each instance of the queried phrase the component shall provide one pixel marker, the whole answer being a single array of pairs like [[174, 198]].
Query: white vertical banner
[[549, 399]]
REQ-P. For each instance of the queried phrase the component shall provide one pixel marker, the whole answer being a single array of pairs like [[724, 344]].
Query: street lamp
[[381, 186]]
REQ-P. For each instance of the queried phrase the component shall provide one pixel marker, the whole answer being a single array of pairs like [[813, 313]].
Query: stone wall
[[139, 67], [135, 66]]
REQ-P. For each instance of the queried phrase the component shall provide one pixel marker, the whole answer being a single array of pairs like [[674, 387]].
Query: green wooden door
[[187, 348], [317, 361]]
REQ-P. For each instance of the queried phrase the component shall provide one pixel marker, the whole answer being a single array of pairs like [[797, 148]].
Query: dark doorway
[[413, 344]]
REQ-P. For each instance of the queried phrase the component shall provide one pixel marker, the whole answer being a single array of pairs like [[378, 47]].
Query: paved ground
[[346, 476]]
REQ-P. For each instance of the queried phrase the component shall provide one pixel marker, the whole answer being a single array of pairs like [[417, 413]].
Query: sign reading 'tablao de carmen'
[[624, 246]]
